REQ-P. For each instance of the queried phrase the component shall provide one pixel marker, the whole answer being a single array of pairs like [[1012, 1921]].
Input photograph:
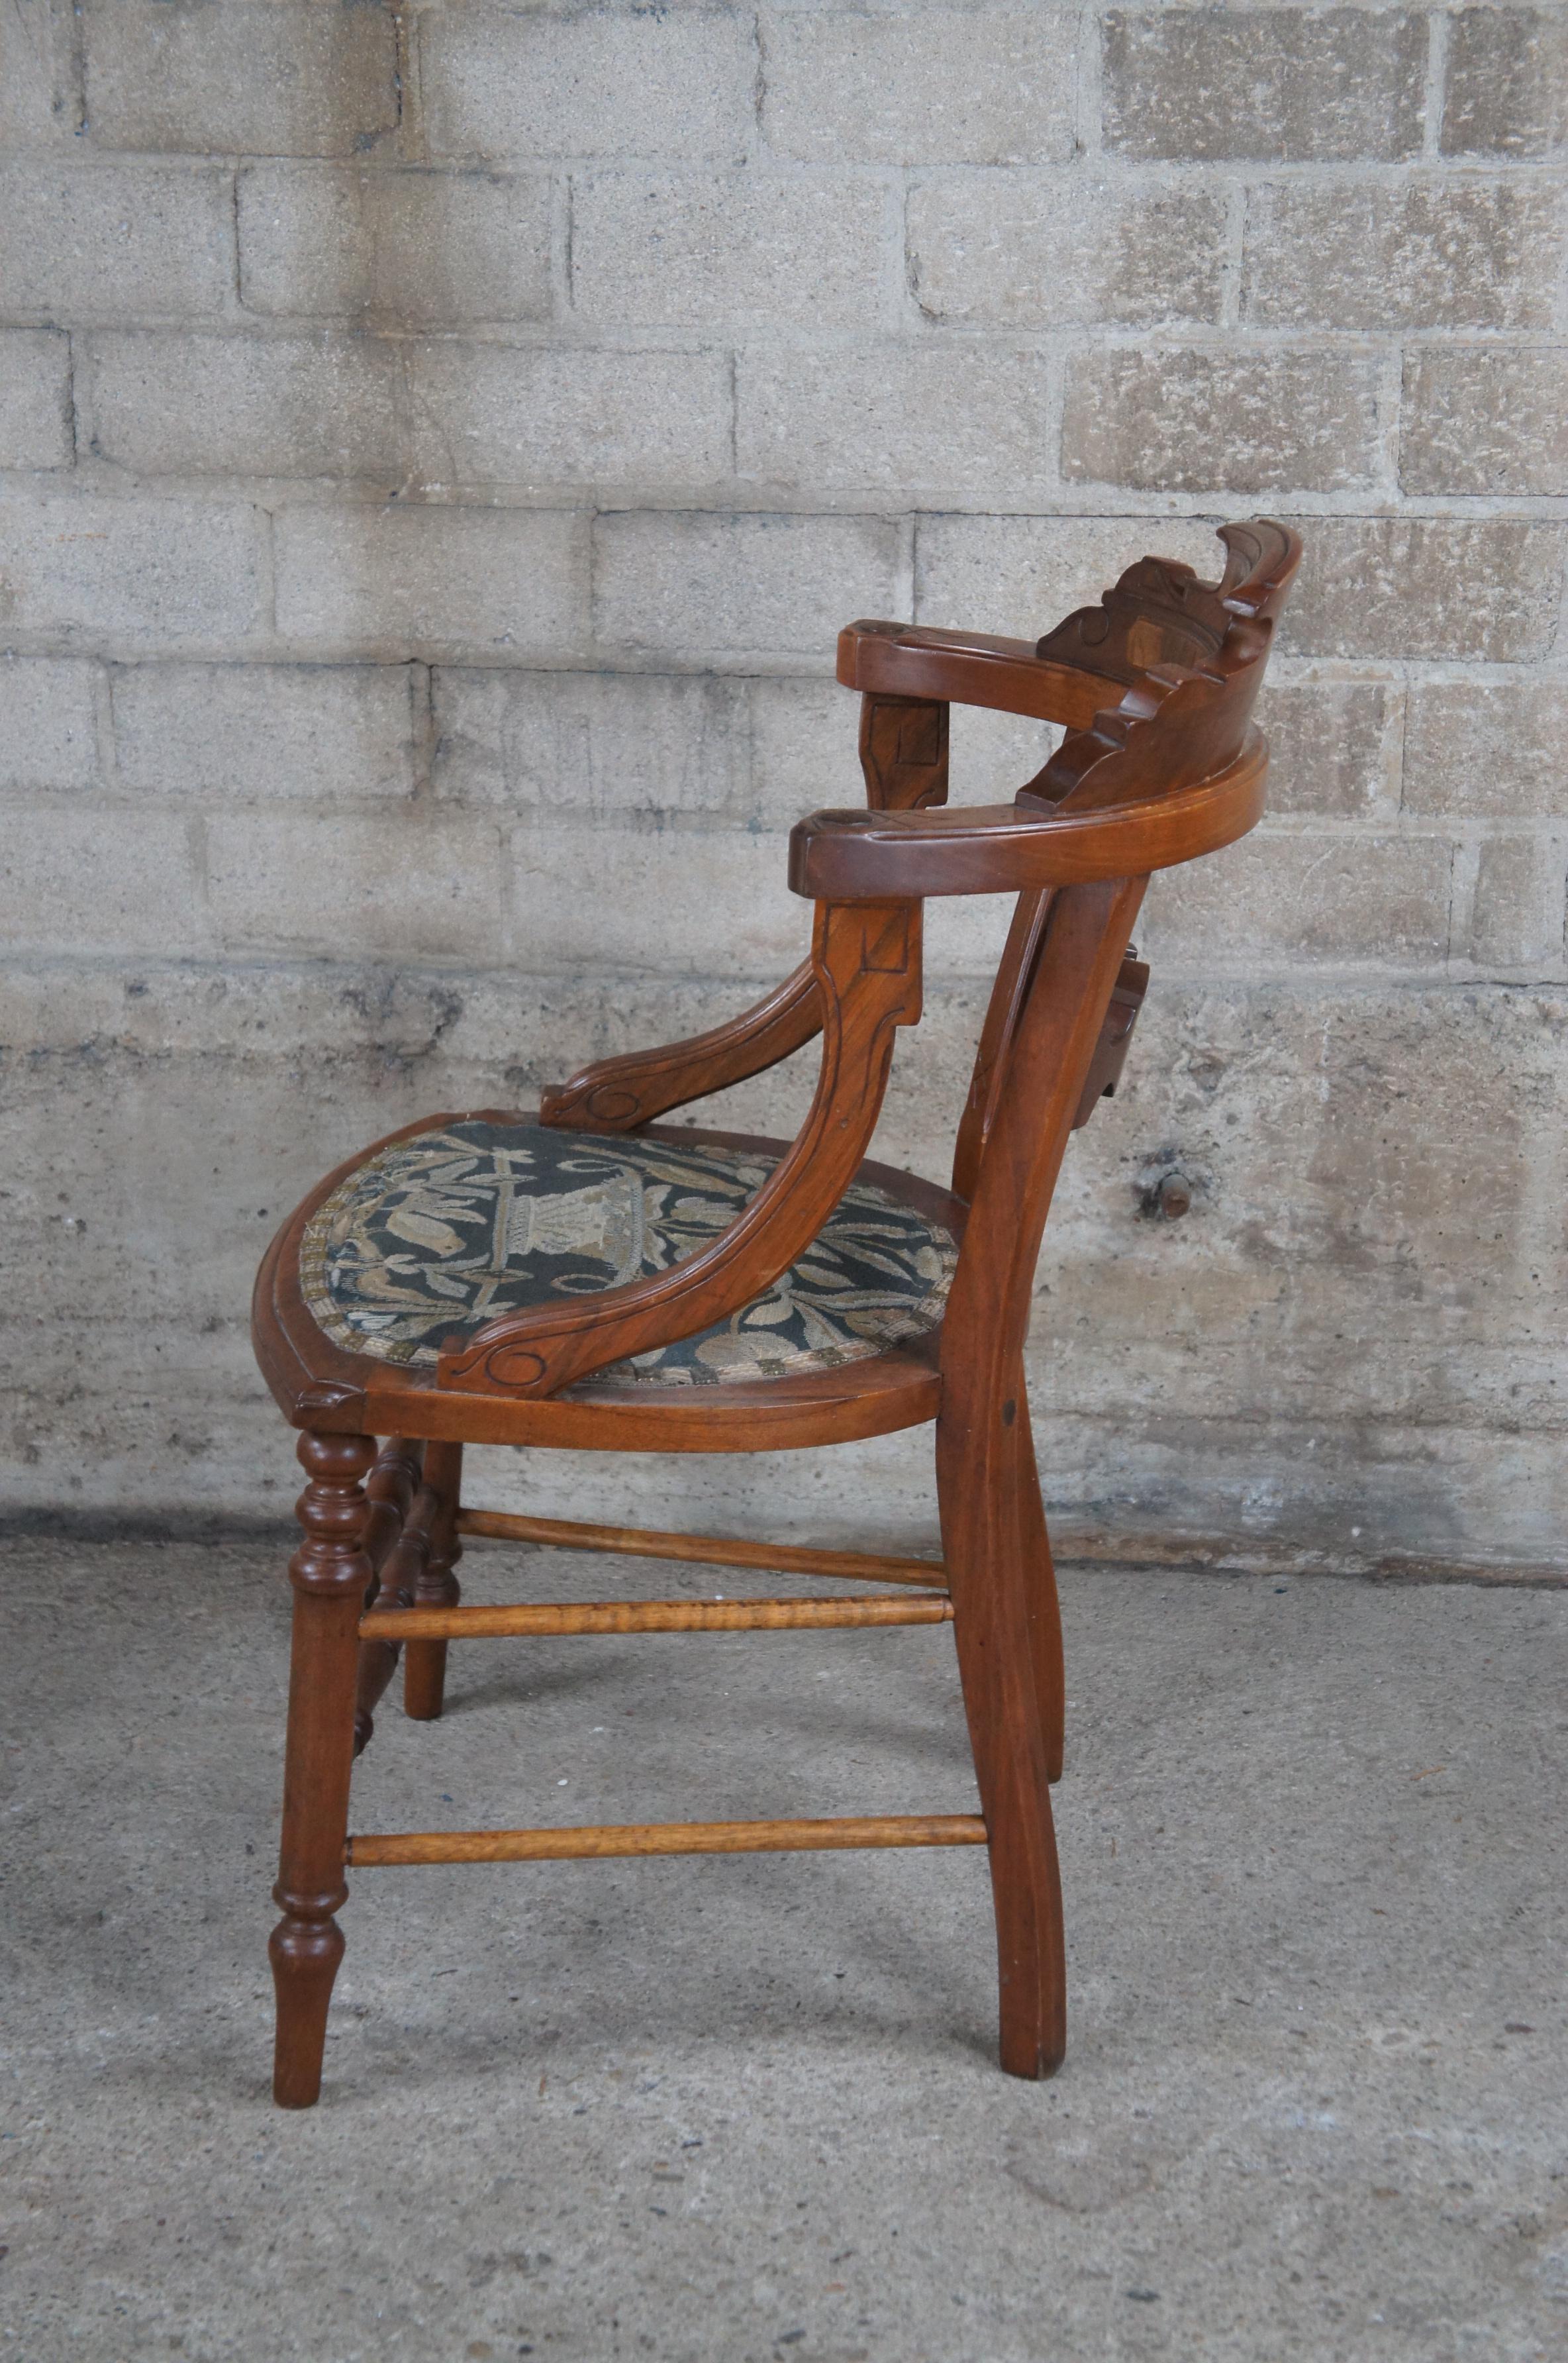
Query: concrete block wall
[[440, 443]]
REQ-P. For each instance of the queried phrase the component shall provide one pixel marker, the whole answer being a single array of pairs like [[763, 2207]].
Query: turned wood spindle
[[425, 1662], [331, 1573]]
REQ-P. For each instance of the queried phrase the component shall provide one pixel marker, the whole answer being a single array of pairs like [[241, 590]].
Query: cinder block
[[1479, 420], [1439, 587], [1044, 249], [1290, 85], [718, 897], [965, 936], [449, 581], [212, 1014], [592, 742], [113, 242], [599, 81], [930, 86], [396, 884], [728, 249], [114, 881], [139, 571], [1344, 1131], [319, 241], [1517, 917], [730, 586], [1507, 81], [49, 732], [567, 415], [35, 399], [272, 79], [1424, 254], [326, 732], [1488, 749], [1022, 575], [1275, 902], [1234, 421], [170, 405], [1328, 745], [925, 419], [38, 97], [991, 756], [804, 739]]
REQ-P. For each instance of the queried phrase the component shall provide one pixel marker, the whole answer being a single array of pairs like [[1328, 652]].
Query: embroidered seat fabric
[[444, 1231]]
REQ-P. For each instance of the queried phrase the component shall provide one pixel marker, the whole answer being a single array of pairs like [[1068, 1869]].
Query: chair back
[[1161, 763]]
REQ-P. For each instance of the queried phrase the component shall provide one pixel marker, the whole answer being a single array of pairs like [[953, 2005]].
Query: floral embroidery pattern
[[442, 1232]]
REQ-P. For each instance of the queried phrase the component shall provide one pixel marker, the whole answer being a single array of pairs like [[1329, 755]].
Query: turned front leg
[[331, 1573], [425, 1662]]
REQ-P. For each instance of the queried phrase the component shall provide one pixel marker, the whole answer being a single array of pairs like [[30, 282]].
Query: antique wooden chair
[[585, 1278]]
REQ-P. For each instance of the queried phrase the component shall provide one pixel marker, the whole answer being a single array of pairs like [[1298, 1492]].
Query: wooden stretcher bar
[[707, 1550], [547, 1619], [664, 1838]]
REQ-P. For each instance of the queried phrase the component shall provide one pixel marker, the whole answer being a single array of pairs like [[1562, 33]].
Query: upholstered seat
[[440, 1232]]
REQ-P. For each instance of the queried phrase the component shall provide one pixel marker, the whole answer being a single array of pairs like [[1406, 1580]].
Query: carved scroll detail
[[1191, 655], [1160, 613]]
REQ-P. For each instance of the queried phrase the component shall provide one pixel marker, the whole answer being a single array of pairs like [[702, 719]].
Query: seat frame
[[1154, 687]]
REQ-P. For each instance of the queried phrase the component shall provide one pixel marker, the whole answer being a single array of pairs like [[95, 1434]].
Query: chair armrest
[[1007, 849], [967, 669], [865, 967]]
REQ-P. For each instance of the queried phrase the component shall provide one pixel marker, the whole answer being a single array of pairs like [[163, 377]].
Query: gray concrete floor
[[1314, 2106]]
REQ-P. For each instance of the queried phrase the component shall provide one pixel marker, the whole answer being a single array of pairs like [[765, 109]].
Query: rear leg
[[983, 1526]]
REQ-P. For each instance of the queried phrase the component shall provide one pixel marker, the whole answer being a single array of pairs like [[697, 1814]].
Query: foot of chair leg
[[304, 1955], [1031, 1959]]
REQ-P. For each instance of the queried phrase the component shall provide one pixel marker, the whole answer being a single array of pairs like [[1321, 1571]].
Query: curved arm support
[[618, 1094], [903, 754], [865, 961], [1008, 849], [967, 669]]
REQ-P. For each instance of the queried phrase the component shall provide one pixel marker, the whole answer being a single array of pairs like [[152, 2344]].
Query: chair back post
[[1009, 996], [1189, 657], [1071, 942]]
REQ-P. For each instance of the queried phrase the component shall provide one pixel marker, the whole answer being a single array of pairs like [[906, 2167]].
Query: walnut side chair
[[589, 1278]]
